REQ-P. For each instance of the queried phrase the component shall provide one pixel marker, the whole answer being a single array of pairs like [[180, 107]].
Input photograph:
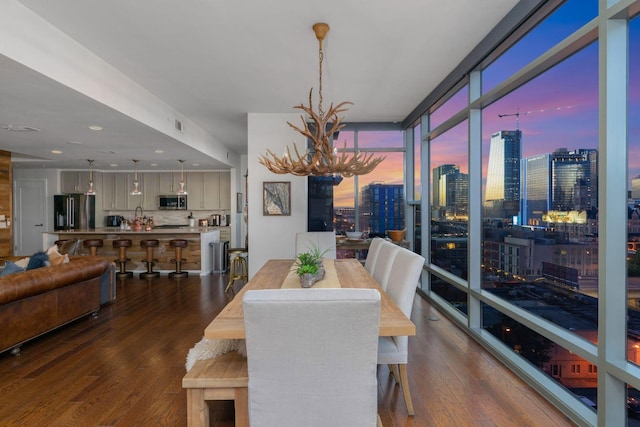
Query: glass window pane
[[380, 139], [344, 137], [381, 196], [450, 199], [567, 368], [416, 162], [540, 194], [453, 105], [455, 297], [562, 22], [633, 172]]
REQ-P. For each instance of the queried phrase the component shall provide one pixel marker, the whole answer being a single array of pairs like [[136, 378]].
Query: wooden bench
[[222, 378]]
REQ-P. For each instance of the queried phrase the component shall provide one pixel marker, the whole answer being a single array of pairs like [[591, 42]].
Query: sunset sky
[[557, 109]]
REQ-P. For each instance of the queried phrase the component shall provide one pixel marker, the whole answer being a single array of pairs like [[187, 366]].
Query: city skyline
[[558, 109]]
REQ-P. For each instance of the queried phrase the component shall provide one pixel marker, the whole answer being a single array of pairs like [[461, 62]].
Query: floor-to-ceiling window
[[375, 202], [553, 217]]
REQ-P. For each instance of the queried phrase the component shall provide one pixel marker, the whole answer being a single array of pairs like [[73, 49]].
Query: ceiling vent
[[178, 125], [14, 128]]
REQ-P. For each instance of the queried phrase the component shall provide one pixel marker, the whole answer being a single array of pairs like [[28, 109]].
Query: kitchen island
[[198, 253]]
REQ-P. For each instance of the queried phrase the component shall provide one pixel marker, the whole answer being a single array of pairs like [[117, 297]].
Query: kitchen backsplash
[[177, 217]]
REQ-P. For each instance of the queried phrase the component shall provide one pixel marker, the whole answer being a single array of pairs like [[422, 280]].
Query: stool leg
[[178, 260], [237, 271], [122, 262], [93, 251], [149, 273]]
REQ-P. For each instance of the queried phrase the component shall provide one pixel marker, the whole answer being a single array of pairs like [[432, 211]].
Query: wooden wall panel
[[6, 203]]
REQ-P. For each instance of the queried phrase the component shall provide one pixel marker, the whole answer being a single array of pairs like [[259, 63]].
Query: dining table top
[[229, 323]]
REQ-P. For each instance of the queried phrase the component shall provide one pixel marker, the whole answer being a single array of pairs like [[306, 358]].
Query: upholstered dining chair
[[372, 253], [393, 351], [311, 356], [325, 241], [384, 261]]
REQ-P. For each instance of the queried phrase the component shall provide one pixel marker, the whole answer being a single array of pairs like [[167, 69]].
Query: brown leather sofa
[[37, 301]]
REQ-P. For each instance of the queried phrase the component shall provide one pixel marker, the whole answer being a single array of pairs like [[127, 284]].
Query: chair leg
[[395, 373], [404, 383]]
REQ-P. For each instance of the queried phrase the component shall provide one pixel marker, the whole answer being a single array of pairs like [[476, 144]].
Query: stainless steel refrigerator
[[74, 211]]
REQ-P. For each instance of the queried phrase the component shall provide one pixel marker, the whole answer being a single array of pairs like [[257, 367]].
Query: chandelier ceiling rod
[[322, 159]]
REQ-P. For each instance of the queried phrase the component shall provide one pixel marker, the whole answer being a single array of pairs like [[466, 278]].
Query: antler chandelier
[[322, 159]]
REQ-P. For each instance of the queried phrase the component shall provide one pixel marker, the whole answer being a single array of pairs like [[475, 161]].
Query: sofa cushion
[[55, 257], [37, 260], [10, 268]]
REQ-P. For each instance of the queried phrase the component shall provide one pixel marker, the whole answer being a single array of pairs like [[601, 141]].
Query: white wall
[[272, 237]]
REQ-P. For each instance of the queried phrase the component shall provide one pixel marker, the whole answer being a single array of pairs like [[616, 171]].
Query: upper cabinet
[[115, 191], [210, 191], [169, 182], [151, 190], [74, 181]]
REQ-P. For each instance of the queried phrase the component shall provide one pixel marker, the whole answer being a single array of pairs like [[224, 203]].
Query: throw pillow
[[56, 258], [10, 268], [37, 260], [23, 263]]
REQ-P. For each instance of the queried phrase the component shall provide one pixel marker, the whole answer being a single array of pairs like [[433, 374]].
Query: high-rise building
[[502, 194], [450, 195], [574, 179], [536, 188], [381, 207]]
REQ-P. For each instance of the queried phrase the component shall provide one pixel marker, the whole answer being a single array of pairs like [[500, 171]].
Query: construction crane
[[517, 114]]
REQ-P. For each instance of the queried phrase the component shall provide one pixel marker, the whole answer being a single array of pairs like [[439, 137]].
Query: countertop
[[117, 230]]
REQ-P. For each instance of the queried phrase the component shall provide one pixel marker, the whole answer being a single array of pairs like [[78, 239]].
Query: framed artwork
[[276, 198]]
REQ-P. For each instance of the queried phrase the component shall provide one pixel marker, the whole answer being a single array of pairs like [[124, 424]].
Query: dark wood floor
[[125, 368]]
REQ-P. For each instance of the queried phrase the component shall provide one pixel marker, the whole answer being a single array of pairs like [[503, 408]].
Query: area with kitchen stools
[[153, 246]]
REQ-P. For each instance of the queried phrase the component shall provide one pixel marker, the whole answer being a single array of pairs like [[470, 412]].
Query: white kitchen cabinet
[[74, 181], [169, 182], [115, 191], [224, 193], [151, 190]]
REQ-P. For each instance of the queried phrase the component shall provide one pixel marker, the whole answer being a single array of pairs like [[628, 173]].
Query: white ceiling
[[209, 63]]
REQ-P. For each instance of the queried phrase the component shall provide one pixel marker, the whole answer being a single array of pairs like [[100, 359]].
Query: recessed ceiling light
[[114, 165], [75, 142], [56, 151], [159, 151], [153, 164], [96, 127], [195, 164]]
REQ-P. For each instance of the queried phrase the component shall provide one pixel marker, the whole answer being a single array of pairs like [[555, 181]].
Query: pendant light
[[91, 191], [182, 190], [136, 185]]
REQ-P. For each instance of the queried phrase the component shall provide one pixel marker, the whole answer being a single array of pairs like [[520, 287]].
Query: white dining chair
[[393, 351], [325, 241], [384, 261], [311, 357], [372, 254]]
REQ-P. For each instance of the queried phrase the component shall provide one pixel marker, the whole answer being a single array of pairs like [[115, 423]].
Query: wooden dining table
[[350, 274]]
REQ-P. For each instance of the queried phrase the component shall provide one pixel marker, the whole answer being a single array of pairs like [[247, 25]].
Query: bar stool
[[149, 244], [122, 245], [178, 245], [93, 245], [237, 267]]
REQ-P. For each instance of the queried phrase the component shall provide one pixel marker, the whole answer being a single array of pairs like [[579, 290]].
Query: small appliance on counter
[[113, 220]]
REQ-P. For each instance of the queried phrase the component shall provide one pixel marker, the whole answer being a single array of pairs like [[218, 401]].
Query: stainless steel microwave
[[172, 202]]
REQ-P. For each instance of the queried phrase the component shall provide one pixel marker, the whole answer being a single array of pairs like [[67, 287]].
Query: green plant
[[310, 261]]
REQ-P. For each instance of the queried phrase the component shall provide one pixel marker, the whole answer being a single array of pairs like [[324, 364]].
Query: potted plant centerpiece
[[309, 266]]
